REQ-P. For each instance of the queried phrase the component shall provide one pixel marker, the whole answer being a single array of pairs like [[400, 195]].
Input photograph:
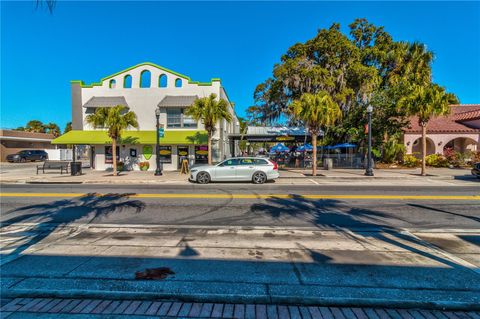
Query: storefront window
[[165, 154], [201, 154], [109, 154]]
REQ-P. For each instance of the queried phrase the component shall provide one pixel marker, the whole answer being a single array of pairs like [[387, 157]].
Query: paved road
[[321, 206]]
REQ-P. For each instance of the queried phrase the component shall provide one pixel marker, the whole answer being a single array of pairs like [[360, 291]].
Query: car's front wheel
[[259, 178], [203, 178]]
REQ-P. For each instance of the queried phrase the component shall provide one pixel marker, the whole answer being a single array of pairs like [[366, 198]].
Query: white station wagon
[[255, 169]]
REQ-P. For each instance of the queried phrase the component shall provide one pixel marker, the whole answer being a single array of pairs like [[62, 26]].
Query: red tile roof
[[451, 123], [468, 116]]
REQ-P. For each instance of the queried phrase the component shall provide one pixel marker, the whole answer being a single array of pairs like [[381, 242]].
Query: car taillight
[[275, 165]]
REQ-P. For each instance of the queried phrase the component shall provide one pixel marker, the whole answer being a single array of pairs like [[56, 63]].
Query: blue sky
[[238, 42]]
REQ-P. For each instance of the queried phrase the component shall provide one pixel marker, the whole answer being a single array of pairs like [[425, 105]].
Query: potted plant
[[144, 166], [120, 166]]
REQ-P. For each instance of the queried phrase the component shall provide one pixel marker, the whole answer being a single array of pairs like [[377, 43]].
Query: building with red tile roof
[[459, 130]]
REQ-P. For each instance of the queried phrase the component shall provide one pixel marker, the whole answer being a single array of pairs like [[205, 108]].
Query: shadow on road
[[50, 216], [358, 223]]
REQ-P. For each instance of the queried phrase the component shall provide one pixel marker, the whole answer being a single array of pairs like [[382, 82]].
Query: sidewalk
[[26, 173], [433, 173], [98, 308], [269, 265]]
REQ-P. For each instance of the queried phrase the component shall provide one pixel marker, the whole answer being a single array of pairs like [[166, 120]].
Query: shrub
[[454, 158], [410, 160], [392, 150], [436, 160], [120, 166], [144, 166], [475, 158]]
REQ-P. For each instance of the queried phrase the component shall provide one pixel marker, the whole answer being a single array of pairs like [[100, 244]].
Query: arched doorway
[[462, 145], [417, 147]]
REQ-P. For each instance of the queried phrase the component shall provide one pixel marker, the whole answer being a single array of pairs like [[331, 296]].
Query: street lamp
[[369, 170], [158, 170]]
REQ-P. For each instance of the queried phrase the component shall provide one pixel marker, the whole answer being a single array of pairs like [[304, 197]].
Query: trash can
[[76, 168], [327, 163]]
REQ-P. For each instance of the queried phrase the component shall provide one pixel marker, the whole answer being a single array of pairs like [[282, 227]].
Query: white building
[[144, 88]]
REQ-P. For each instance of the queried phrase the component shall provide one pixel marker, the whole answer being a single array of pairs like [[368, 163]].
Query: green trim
[[171, 137], [131, 81], [177, 80], [166, 80], [146, 87], [83, 85]]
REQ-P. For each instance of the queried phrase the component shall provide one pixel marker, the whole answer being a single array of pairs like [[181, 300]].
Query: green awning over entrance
[[132, 137]]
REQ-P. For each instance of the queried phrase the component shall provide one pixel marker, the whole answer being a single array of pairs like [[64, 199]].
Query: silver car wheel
[[203, 178], [259, 178]]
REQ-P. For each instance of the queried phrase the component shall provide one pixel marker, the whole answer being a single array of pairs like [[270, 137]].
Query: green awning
[[132, 137]]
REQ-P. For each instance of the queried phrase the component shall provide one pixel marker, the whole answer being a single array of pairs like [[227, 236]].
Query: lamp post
[[158, 170], [369, 170]]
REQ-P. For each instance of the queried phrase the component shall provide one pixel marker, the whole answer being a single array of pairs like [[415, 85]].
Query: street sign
[[161, 132]]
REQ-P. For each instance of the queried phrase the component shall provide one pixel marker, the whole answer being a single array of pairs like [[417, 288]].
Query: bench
[[53, 165]]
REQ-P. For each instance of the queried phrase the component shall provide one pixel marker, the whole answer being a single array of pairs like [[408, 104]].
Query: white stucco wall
[[144, 101], [439, 140]]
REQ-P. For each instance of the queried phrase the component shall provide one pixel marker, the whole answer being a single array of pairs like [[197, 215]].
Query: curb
[[221, 292]]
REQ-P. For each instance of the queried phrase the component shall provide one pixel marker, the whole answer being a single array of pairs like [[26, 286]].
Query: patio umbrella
[[328, 147], [305, 148], [345, 145], [279, 148]]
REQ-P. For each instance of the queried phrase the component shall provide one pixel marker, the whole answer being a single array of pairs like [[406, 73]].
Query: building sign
[[165, 154], [147, 151], [201, 154], [109, 155], [285, 138]]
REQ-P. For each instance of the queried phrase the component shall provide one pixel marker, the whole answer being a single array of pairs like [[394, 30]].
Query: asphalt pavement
[[316, 206], [343, 245]]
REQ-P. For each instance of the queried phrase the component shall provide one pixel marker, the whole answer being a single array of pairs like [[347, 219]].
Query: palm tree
[[317, 111], [243, 130], [68, 127], [426, 102], [115, 120], [53, 129], [35, 126], [210, 111]]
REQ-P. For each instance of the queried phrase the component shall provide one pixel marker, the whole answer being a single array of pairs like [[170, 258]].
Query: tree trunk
[[209, 148], [114, 155], [424, 149], [314, 154]]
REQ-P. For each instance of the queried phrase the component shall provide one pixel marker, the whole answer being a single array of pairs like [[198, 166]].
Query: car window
[[260, 162], [246, 161], [230, 162]]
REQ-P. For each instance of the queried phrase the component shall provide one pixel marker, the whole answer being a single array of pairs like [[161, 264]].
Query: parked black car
[[28, 155], [476, 169]]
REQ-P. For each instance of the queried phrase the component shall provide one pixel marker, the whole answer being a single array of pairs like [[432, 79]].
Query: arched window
[[178, 83], [127, 81], [145, 79], [162, 81], [112, 84]]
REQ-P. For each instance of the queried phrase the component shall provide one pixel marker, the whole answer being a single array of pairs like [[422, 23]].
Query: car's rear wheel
[[203, 178], [259, 178]]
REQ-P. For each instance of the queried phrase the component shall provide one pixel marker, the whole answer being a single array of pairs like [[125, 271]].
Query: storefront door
[[182, 154]]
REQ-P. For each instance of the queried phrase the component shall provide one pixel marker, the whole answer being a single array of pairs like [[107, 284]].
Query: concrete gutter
[[222, 292]]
